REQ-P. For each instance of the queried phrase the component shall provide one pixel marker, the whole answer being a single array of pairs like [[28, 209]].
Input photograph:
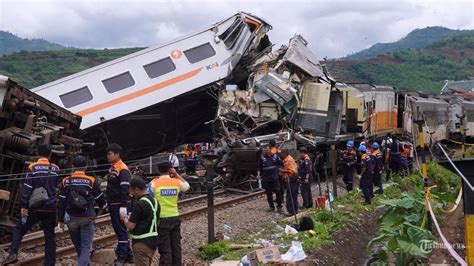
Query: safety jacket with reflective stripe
[[118, 180], [166, 191], [41, 173], [153, 231]]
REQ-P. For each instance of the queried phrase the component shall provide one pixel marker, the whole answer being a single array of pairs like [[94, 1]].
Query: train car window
[[199, 53], [119, 82], [373, 104], [76, 97], [159, 68], [231, 35]]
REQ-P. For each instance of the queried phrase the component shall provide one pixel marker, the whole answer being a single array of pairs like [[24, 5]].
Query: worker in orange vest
[[290, 177]]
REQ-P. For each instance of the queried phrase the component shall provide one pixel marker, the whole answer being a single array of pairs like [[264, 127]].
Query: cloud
[[333, 28]]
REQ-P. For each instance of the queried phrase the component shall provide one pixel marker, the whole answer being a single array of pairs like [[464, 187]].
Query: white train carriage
[[160, 91], [156, 74]]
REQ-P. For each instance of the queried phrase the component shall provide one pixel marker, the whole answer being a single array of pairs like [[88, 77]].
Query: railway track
[[37, 237], [33, 239]]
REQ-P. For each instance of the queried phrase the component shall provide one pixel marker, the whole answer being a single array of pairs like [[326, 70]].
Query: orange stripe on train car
[[139, 93]]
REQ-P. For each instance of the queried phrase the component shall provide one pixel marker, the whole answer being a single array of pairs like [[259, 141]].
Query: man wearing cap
[[76, 199], [165, 189], [142, 222], [117, 198], [348, 159]]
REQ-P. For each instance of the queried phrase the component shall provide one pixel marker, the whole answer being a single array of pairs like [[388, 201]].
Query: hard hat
[[350, 143], [362, 148], [375, 145]]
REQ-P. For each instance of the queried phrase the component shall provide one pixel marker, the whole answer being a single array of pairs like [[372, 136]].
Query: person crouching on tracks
[[378, 167], [367, 169], [42, 177], [142, 223], [76, 207], [305, 173], [348, 159], [166, 189], [290, 176], [269, 171], [117, 199]]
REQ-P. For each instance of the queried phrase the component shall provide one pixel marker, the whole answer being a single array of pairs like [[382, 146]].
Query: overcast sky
[[334, 28]]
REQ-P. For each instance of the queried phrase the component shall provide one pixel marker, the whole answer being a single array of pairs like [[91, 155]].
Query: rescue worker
[[395, 149], [165, 189], [117, 199], [348, 159], [277, 151], [367, 169], [41, 175], [378, 167], [290, 176], [406, 158], [143, 222], [269, 172], [76, 207], [305, 173], [190, 161]]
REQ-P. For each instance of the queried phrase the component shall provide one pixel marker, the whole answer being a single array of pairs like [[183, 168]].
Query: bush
[[214, 250]]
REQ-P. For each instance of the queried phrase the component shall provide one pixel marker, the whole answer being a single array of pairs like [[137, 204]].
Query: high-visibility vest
[[166, 191], [153, 231]]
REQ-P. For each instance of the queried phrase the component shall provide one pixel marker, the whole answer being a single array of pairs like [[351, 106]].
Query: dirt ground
[[453, 229], [350, 243]]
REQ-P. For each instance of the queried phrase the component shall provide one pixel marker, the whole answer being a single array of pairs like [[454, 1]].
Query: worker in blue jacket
[[367, 164], [76, 198], [305, 173], [42, 175], [269, 167], [118, 185]]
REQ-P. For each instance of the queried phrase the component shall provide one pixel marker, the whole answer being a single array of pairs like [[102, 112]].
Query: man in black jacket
[[41, 174], [118, 184], [76, 207], [143, 222]]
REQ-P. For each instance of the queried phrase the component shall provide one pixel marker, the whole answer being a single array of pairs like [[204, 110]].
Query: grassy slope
[[32, 69], [421, 69]]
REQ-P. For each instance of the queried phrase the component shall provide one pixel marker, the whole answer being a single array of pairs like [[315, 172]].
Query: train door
[[400, 101], [351, 120]]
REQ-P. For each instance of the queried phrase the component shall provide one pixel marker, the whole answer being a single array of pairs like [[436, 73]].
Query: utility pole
[[424, 169], [209, 163], [463, 135]]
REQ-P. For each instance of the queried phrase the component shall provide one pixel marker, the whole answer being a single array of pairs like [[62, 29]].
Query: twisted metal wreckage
[[288, 97]]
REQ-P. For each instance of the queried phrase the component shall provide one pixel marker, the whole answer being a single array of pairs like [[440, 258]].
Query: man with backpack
[[38, 205], [76, 208]]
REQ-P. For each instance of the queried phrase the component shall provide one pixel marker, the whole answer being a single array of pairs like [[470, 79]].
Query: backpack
[[39, 196], [77, 201]]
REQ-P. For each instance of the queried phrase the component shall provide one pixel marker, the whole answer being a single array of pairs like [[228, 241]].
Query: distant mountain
[[424, 69], [10, 43], [419, 38]]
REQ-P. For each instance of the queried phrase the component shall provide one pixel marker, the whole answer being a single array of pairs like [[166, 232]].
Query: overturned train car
[[162, 96], [27, 120]]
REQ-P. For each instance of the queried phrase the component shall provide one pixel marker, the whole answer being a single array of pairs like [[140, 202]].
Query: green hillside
[[421, 69], [419, 38], [10, 43], [32, 69]]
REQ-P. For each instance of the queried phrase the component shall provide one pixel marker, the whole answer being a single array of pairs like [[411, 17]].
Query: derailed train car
[[167, 93], [288, 98], [27, 120]]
